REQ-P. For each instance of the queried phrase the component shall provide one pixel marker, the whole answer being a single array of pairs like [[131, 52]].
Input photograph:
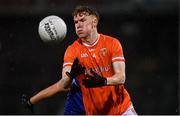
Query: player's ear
[[95, 22]]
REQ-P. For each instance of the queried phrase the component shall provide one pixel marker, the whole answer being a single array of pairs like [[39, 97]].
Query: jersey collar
[[93, 44]]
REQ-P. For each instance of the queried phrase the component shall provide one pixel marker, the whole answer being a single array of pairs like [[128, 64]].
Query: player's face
[[83, 24]]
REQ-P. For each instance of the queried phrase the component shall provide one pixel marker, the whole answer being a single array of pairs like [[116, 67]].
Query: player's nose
[[79, 25]]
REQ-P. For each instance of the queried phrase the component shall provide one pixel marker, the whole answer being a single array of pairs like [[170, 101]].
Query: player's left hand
[[94, 81], [76, 69]]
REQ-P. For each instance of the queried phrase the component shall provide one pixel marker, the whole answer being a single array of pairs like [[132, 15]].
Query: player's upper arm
[[118, 62]]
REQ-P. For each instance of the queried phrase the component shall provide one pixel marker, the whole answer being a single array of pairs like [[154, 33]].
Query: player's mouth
[[79, 31]]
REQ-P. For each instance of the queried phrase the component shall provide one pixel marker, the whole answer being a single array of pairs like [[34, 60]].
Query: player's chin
[[81, 35]]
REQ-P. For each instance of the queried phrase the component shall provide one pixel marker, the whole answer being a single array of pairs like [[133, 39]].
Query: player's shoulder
[[109, 38], [75, 44]]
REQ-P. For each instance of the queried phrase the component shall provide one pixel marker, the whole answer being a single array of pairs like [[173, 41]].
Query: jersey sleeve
[[69, 56], [117, 51]]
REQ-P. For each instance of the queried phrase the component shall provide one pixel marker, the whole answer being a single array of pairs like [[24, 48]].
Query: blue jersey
[[74, 103]]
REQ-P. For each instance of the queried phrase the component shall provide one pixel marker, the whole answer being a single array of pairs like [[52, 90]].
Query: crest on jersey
[[103, 51]]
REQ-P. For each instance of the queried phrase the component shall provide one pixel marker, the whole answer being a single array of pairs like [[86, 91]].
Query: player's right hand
[[94, 81], [27, 103], [76, 69]]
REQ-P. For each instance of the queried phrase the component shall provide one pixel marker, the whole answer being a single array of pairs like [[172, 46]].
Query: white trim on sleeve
[[118, 58], [67, 63]]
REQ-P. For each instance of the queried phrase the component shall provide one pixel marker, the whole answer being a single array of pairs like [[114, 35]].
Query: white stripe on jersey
[[119, 58], [67, 63]]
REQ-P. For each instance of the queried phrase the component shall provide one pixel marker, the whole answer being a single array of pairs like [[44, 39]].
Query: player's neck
[[93, 43], [91, 39]]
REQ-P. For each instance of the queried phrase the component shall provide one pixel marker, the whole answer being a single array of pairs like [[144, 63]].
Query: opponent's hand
[[27, 103], [76, 69], [94, 81]]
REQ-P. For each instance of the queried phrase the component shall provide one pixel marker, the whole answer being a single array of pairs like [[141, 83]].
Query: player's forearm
[[116, 79], [66, 82], [119, 74], [65, 79], [48, 92]]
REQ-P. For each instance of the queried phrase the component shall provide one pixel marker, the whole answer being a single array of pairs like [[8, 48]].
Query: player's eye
[[75, 22], [83, 20]]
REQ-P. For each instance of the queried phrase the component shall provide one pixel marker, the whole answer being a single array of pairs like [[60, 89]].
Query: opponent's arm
[[48, 92], [28, 102], [66, 80], [62, 85]]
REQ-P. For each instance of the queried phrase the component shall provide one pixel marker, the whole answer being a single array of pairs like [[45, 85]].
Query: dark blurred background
[[147, 29]]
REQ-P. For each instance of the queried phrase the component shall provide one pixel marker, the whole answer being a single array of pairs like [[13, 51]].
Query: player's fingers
[[76, 61], [24, 95], [93, 72], [68, 74], [79, 66], [87, 83], [23, 98], [89, 76], [82, 69]]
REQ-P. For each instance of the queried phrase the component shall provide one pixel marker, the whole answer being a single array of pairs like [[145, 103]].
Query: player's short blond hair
[[89, 10]]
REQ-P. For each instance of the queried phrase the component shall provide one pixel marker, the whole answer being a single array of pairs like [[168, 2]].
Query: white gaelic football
[[52, 29]]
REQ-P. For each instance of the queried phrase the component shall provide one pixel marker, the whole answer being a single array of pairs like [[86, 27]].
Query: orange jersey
[[99, 56]]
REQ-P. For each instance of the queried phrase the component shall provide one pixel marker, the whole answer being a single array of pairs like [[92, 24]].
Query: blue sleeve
[[74, 103]]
